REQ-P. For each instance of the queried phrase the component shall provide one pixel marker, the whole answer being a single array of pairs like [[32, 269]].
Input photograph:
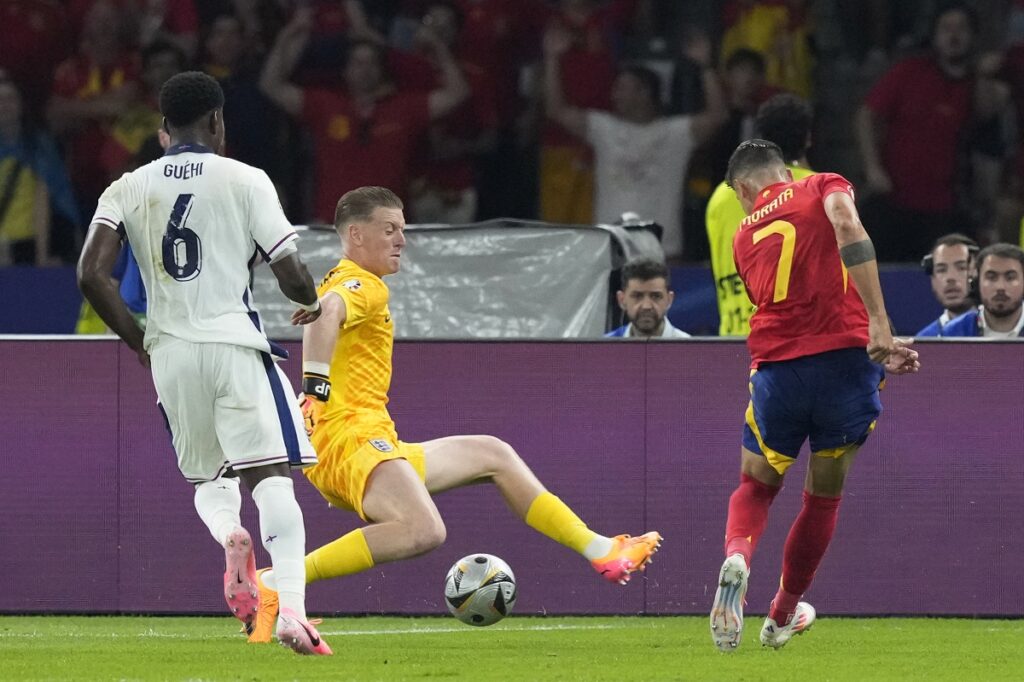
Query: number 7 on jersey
[[788, 232]]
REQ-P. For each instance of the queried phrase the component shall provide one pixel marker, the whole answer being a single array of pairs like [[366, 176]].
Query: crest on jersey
[[352, 284], [382, 445]]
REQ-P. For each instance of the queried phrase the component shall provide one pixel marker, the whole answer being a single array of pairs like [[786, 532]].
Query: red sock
[[805, 546], [748, 514]]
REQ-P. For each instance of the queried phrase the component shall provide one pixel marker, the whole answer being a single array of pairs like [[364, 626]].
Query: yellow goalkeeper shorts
[[348, 459]]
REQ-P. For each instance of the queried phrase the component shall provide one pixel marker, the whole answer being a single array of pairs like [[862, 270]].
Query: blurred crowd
[[570, 111]]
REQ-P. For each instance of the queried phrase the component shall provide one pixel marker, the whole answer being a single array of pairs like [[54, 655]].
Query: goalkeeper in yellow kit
[[363, 466]]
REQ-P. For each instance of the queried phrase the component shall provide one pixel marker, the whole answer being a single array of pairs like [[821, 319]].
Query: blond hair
[[359, 204]]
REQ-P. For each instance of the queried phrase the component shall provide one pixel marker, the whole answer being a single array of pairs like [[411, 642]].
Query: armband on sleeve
[[857, 253]]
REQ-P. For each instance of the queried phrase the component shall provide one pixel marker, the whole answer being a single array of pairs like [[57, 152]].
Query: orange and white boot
[[629, 554], [261, 629]]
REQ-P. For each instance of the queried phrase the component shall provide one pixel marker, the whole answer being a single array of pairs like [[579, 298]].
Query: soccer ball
[[480, 589]]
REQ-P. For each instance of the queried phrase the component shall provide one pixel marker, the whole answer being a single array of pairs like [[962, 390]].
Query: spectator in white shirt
[[640, 156]]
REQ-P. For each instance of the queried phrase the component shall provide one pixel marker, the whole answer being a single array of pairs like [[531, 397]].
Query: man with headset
[[1001, 291], [951, 266]]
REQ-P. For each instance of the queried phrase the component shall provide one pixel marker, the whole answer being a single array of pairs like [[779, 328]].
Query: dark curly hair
[[785, 120], [188, 96], [644, 270]]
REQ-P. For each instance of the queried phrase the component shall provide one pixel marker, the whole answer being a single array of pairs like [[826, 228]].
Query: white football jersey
[[197, 222]]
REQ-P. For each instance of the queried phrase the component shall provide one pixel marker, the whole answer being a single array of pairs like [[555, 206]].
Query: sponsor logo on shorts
[[382, 445], [352, 284]]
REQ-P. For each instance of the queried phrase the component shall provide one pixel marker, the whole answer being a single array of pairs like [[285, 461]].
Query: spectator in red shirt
[[447, 191], [587, 71], [640, 156], [500, 37], [174, 21], [34, 36], [90, 91], [909, 132], [445, 187], [366, 135]]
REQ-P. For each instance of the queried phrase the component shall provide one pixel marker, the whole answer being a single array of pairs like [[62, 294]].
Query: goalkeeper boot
[[727, 611], [299, 635], [262, 628], [240, 591], [628, 555], [776, 636]]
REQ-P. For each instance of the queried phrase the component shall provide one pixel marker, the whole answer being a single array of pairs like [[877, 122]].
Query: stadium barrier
[[47, 301], [94, 517]]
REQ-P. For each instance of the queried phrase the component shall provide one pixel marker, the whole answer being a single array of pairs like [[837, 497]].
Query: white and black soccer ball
[[480, 589]]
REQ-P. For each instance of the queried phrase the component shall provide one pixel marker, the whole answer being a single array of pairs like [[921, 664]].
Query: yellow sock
[[549, 515], [347, 555]]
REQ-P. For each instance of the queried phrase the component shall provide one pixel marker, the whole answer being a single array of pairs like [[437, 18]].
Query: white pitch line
[[333, 633], [419, 631]]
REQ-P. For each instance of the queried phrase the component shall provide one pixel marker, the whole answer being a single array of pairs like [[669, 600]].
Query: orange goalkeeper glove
[[316, 391]]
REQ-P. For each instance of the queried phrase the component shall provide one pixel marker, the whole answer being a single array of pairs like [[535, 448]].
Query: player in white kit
[[197, 222]]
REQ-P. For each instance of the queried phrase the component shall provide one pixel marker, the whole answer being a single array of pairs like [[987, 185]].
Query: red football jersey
[[787, 255]]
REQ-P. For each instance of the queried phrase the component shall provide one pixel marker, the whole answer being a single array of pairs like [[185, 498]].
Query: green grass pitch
[[519, 648]]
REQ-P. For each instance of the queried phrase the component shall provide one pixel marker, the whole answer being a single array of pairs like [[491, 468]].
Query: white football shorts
[[227, 406]]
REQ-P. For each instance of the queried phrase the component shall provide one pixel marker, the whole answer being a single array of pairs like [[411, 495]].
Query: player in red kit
[[810, 269]]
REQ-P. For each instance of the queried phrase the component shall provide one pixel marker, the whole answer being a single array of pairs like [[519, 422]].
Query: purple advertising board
[[95, 518]]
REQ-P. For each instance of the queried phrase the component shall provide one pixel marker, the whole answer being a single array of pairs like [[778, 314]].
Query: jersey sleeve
[[363, 298], [111, 208], [269, 227], [829, 183]]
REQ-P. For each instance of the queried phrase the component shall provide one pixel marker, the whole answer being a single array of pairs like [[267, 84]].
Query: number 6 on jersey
[[182, 249]]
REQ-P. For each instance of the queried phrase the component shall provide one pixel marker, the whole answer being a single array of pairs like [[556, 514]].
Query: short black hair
[[644, 270], [188, 96], [752, 155], [785, 119], [1001, 250], [744, 56], [954, 239], [648, 79], [951, 239]]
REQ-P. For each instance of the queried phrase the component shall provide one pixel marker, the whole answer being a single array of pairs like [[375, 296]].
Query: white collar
[[991, 333], [667, 332]]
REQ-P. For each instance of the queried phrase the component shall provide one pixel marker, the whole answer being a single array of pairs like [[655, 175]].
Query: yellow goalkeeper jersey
[[723, 218], [361, 363]]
